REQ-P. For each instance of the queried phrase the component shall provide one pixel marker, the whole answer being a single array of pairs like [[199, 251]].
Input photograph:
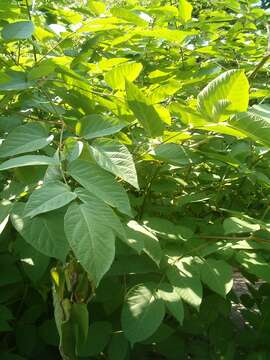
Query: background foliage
[[134, 179]]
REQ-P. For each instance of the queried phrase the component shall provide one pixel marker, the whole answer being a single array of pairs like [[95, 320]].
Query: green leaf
[[28, 160], [25, 138], [225, 95], [98, 337], [128, 15], [188, 115], [255, 124], [15, 81], [45, 68], [170, 35], [80, 317], [149, 242], [234, 225], [101, 184], [184, 278], [142, 312], [217, 275], [115, 158], [117, 76], [51, 196], [94, 126], [118, 347], [18, 30], [91, 238], [33, 262], [44, 232], [185, 11], [254, 264], [144, 111], [97, 7], [102, 211], [173, 154], [173, 300], [223, 128]]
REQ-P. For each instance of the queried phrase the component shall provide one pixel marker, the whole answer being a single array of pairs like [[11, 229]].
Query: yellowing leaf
[[225, 95], [117, 75], [185, 11]]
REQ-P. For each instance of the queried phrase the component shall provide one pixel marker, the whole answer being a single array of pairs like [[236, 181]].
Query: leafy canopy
[[134, 167]]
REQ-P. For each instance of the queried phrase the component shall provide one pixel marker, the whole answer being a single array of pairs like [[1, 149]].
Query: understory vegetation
[[134, 180]]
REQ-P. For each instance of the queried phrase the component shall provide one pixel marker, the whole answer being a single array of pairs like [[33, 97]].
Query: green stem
[[33, 38]]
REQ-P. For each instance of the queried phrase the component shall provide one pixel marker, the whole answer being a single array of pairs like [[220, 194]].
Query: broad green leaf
[[254, 264], [117, 76], [25, 138], [94, 126], [45, 68], [139, 238], [142, 312], [173, 300], [193, 197], [80, 317], [33, 262], [98, 337], [115, 158], [100, 24], [44, 232], [165, 229], [186, 282], [15, 81], [188, 115], [51, 196], [102, 211], [73, 149], [101, 184], [27, 160], [144, 111], [118, 347], [91, 238], [170, 35], [185, 11], [134, 239], [9, 122], [233, 225], [173, 154], [223, 128], [133, 265], [225, 95], [18, 30], [217, 275], [128, 15], [254, 123]]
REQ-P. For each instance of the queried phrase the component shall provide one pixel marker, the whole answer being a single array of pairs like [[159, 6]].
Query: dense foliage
[[135, 153]]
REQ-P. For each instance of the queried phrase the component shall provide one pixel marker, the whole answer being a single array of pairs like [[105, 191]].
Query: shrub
[[134, 180]]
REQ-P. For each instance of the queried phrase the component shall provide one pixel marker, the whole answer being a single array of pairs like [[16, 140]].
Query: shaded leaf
[[18, 30], [217, 275], [144, 111], [44, 232], [142, 312]]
